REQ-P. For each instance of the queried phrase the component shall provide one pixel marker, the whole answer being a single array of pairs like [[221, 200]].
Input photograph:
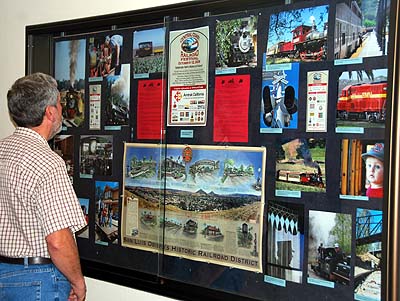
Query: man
[[39, 209]]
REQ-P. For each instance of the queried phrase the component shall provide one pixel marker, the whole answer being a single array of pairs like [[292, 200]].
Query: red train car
[[307, 44], [363, 102]]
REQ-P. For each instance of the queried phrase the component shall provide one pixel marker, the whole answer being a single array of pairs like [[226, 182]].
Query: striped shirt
[[36, 195]]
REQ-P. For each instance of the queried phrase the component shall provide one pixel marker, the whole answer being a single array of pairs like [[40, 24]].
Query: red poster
[[150, 121], [231, 108]]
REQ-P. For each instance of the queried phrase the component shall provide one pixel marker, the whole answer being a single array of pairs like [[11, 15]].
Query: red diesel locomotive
[[364, 102]]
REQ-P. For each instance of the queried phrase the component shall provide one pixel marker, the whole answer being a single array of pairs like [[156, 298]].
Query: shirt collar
[[30, 133]]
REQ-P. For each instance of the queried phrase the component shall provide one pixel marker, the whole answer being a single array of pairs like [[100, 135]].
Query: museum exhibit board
[[233, 149]]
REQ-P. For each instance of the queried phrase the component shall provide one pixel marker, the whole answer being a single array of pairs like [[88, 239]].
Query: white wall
[[15, 15]]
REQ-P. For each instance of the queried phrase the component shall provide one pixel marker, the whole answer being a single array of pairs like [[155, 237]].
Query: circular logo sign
[[190, 45]]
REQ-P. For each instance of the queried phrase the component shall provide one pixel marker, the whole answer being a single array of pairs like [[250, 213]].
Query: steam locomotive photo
[[237, 43], [307, 44], [302, 39]]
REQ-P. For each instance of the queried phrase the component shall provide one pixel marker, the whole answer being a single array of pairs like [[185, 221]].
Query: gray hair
[[29, 96]]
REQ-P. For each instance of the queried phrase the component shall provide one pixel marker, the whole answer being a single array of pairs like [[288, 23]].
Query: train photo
[[349, 31], [365, 101], [304, 39]]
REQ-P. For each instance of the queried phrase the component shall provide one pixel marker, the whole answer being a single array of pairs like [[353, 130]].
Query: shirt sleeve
[[57, 204]]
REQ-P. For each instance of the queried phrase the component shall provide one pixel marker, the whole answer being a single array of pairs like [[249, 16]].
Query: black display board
[[225, 148]]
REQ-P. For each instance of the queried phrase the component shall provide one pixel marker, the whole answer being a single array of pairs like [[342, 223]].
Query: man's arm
[[64, 254]]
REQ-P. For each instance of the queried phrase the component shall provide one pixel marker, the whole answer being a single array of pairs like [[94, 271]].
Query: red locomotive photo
[[362, 100], [302, 39]]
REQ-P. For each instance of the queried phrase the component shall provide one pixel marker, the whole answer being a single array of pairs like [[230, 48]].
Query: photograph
[[236, 43], [329, 248], [84, 233], [300, 165], [63, 145], [107, 212], [361, 29], [285, 241], [361, 103], [104, 56], [148, 51], [362, 169], [298, 35], [279, 101], [367, 271], [69, 72], [96, 154], [117, 97]]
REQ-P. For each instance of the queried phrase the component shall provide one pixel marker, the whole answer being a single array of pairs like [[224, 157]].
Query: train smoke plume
[[73, 55]]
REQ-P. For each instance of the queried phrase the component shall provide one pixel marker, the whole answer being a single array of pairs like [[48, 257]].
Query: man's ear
[[50, 112]]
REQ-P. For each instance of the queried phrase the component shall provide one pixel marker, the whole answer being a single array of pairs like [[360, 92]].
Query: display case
[[233, 149]]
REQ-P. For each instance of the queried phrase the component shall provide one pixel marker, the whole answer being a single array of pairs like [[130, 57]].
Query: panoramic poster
[[298, 35], [213, 202], [188, 77], [69, 71]]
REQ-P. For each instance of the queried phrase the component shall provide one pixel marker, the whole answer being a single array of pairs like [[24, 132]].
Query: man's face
[[374, 172], [56, 127]]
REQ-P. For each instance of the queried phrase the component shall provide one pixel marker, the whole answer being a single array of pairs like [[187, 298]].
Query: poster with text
[[231, 108], [317, 101], [94, 107], [188, 77], [69, 72], [213, 202], [150, 109]]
